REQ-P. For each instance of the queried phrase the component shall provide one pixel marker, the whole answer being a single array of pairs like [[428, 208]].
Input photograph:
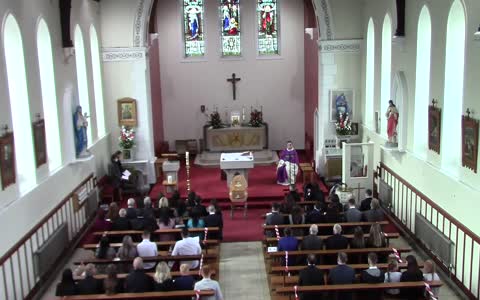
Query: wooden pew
[[147, 295], [193, 273], [161, 257], [159, 244], [159, 231], [388, 236], [355, 287], [320, 225]]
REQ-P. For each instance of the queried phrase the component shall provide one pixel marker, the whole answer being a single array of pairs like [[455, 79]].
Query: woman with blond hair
[[163, 279], [126, 251], [376, 238], [392, 275]]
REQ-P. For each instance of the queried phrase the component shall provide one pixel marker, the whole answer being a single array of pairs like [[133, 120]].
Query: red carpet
[[241, 229]]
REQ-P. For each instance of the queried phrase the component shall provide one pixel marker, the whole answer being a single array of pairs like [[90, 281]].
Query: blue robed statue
[[287, 168], [80, 125]]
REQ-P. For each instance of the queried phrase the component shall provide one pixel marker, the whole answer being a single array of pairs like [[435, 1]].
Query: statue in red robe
[[392, 122]]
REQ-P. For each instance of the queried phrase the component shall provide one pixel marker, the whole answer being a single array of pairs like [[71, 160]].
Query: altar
[[233, 163], [236, 138]]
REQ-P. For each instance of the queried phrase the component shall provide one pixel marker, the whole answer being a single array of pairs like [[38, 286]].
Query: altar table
[[233, 163], [236, 138]]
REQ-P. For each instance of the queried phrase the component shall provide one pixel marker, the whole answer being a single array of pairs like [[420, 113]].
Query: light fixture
[[477, 34]]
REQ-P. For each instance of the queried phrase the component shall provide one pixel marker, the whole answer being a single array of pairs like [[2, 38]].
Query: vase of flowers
[[343, 126], [215, 120], [256, 118], [127, 142]]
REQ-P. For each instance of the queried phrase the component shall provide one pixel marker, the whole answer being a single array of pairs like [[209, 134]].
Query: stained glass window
[[267, 11], [193, 28], [230, 20]]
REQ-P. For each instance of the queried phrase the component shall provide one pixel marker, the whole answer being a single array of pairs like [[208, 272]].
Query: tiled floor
[[242, 271]]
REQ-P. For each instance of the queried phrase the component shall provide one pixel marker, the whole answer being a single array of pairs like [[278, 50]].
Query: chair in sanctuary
[[238, 194]]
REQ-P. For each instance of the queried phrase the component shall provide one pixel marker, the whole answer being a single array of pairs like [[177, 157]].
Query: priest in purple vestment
[[287, 168]]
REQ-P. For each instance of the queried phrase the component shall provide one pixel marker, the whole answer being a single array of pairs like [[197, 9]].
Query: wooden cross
[[468, 113], [434, 102], [234, 80]]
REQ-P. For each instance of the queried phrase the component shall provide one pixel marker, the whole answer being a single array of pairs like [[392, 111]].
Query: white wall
[[277, 84], [457, 195], [19, 213]]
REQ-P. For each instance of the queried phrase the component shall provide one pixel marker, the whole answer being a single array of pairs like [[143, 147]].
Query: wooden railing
[[17, 274], [407, 201]]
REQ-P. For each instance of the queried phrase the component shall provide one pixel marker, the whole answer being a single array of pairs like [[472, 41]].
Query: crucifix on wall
[[234, 80]]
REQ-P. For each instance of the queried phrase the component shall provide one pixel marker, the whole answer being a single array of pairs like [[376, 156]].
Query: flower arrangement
[[256, 118], [343, 125], [127, 138], [215, 120]]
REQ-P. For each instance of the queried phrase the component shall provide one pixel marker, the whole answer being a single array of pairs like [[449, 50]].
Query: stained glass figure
[[193, 28], [230, 22], [268, 27]]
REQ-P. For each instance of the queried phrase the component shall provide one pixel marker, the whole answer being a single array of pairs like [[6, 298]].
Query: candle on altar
[[187, 158]]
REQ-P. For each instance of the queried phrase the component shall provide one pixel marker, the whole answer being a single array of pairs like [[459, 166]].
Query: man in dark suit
[[337, 240], [131, 210], [121, 223], [312, 241], [311, 275], [352, 214], [214, 220], [342, 274], [274, 218], [316, 215], [375, 214], [137, 281], [365, 204], [90, 285]]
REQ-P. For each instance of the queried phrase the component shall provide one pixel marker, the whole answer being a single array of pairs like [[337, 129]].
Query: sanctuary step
[[212, 159]]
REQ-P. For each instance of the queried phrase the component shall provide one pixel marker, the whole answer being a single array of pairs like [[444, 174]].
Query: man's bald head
[[138, 263]]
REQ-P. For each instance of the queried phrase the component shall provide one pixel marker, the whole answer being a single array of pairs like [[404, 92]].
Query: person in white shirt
[[208, 284], [392, 275], [429, 274], [147, 248], [188, 246]]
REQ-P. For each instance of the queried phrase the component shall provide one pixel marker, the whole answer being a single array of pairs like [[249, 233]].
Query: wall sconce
[[477, 34]]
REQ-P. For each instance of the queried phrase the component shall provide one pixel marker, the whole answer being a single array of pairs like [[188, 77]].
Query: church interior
[[290, 143]]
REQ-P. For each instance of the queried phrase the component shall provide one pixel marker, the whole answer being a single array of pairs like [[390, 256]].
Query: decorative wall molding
[[340, 46], [140, 23], [123, 54], [324, 20]]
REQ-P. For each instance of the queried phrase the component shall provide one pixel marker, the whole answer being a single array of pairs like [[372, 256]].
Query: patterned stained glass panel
[[230, 22], [268, 27], [193, 14]]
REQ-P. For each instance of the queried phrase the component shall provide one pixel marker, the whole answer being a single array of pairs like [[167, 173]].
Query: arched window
[[422, 85], [82, 77], [453, 93], [231, 27], [97, 82], [268, 27], [386, 80], [49, 96], [19, 104], [370, 74], [193, 28]]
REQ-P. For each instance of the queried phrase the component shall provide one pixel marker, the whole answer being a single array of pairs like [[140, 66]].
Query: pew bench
[[162, 244], [160, 257], [388, 236], [147, 295], [290, 291], [158, 231], [193, 273], [322, 225]]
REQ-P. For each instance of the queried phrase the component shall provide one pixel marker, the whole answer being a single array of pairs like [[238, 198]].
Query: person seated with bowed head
[[429, 274], [372, 275], [358, 240], [214, 220], [187, 246], [104, 251], [208, 284], [352, 214], [89, 285], [112, 213], [163, 279], [312, 241], [112, 284], [131, 210], [274, 217], [365, 204], [333, 210], [147, 248], [196, 221], [413, 273], [317, 214], [288, 242], [392, 275], [67, 286], [185, 281], [375, 214], [296, 217], [166, 220], [122, 222], [337, 240], [137, 280], [342, 274], [311, 275]]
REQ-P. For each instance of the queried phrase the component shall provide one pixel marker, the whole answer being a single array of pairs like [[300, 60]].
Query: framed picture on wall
[[341, 101], [434, 128], [469, 143], [7, 160], [127, 112], [40, 142]]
